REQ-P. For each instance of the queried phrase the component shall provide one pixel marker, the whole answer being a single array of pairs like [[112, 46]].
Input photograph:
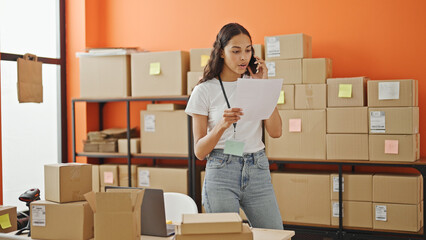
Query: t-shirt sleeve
[[198, 103]]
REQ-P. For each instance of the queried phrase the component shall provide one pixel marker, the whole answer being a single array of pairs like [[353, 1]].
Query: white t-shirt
[[207, 99]]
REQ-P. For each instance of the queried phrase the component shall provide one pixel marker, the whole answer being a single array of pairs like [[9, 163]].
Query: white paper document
[[257, 97]]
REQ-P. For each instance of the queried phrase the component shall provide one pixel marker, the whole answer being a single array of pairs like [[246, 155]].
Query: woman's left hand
[[261, 69]]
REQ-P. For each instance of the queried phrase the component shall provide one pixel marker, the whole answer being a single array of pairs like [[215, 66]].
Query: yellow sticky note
[[345, 90], [5, 221], [281, 99], [204, 60], [154, 68]]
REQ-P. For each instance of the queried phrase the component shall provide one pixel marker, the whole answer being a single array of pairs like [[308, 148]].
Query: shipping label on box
[[288, 46], [347, 146], [316, 70], [347, 92], [393, 93], [397, 120], [347, 120], [289, 70], [356, 187], [310, 96]]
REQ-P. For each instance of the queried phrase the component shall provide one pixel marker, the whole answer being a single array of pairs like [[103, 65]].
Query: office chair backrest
[[177, 204]]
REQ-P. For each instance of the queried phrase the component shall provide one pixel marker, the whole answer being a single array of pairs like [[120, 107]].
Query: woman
[[233, 181]]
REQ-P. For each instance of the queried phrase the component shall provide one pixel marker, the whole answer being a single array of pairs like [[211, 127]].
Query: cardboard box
[[123, 173], [117, 214], [96, 183], [316, 70], [199, 58], [9, 219], [404, 189], [347, 92], [54, 221], [402, 120], [168, 179], [347, 120], [402, 148], [310, 96], [164, 132], [164, 106], [104, 76], [303, 198], [288, 46], [67, 182], [288, 92], [108, 146], [305, 142], [288, 70], [356, 187], [398, 217], [89, 146], [393, 93], [193, 79], [355, 214], [259, 50], [159, 73], [347, 146], [135, 145], [246, 234], [108, 174], [211, 223]]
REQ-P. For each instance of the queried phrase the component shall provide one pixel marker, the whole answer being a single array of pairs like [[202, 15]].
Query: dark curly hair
[[215, 65]]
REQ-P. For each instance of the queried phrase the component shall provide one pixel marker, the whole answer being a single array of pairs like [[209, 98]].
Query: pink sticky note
[[295, 125], [391, 146], [108, 177]]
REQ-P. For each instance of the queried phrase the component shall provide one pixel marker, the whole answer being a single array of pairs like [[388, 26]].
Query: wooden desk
[[258, 234]]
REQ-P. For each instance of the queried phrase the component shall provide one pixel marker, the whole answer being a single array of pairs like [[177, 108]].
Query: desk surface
[[258, 234]]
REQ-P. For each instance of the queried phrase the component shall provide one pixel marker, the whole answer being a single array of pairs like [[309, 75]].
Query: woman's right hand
[[230, 116]]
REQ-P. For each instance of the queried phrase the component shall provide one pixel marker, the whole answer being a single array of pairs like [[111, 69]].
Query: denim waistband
[[219, 151]]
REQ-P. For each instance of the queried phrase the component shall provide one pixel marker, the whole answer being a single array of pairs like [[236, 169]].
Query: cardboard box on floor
[[96, 184], [402, 148], [135, 145], [246, 234], [397, 188], [305, 139], [393, 93], [159, 73], [155, 177], [291, 188], [347, 92], [288, 46], [398, 217], [67, 182], [104, 76], [199, 58], [344, 146], [347, 120], [211, 223], [123, 174], [316, 70], [8, 219], [51, 220], [108, 174], [193, 79], [288, 92], [117, 214], [289, 70], [356, 187], [310, 96], [164, 132], [355, 214], [398, 120]]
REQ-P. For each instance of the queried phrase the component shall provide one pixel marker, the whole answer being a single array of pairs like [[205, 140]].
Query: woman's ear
[[221, 54]]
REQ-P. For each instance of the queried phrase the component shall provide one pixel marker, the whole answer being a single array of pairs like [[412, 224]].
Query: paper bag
[[30, 88]]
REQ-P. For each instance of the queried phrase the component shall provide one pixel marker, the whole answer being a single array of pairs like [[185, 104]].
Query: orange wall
[[381, 39]]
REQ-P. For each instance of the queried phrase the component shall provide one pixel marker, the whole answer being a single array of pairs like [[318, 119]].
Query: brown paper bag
[[30, 88]]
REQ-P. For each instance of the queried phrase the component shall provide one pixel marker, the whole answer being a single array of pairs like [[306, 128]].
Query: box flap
[[114, 202], [136, 195], [90, 197]]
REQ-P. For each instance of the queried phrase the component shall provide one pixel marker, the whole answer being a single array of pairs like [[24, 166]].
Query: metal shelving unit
[[129, 156]]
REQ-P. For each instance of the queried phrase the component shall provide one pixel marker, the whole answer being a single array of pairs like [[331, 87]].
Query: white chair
[[176, 204]]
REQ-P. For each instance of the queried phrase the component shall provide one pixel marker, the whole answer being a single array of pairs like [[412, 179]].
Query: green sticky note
[[5, 221], [345, 90], [204, 60], [281, 99], [234, 148], [154, 68]]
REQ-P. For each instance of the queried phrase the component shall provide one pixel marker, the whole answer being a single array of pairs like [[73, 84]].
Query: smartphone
[[252, 65]]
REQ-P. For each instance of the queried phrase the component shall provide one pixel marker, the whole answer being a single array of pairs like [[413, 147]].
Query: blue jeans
[[232, 182]]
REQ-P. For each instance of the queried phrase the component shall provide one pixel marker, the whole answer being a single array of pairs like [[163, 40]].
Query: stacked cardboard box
[[357, 191], [206, 226], [394, 120], [168, 179], [398, 202], [8, 219], [304, 89], [64, 212], [347, 132], [106, 140]]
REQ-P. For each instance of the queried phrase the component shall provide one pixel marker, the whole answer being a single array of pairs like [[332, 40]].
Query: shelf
[[419, 162], [161, 156], [125, 99], [102, 155], [124, 155]]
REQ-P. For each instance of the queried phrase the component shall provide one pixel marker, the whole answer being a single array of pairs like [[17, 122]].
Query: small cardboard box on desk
[[117, 214], [8, 222]]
